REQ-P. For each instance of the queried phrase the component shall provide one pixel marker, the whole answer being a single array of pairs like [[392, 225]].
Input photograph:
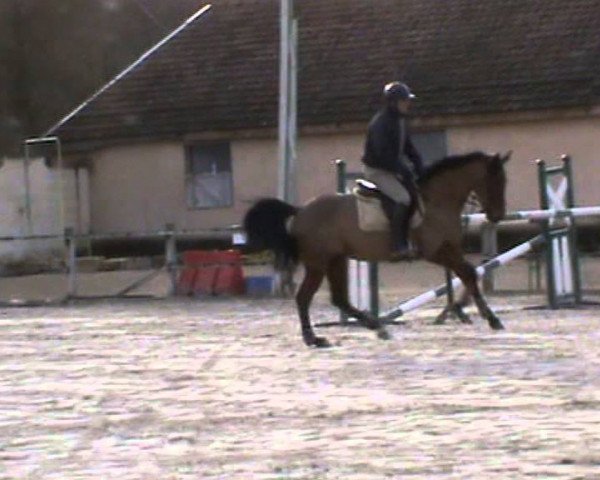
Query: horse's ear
[[506, 157]]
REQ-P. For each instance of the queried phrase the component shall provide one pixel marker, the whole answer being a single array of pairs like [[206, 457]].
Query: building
[[188, 136]]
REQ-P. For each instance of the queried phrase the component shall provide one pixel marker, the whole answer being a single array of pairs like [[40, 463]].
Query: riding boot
[[399, 227], [397, 214]]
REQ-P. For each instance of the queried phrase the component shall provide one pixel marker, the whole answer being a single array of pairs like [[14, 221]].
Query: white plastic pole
[[476, 219], [557, 266], [147, 54], [352, 281], [435, 293], [363, 285], [566, 261]]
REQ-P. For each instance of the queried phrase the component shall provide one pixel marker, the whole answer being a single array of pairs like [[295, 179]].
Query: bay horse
[[324, 233]]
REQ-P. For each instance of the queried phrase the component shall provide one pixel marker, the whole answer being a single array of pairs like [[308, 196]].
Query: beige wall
[[254, 176], [141, 188], [316, 162], [136, 188], [529, 140], [547, 140]]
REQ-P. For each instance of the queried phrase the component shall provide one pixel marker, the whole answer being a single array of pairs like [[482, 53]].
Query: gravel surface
[[224, 389]]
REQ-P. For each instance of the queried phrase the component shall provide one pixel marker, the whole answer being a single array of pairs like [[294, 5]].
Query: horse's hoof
[[461, 315], [464, 318], [497, 325], [370, 322], [383, 334], [442, 317], [321, 342]]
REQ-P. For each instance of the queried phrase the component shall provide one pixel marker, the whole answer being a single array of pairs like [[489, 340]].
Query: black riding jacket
[[383, 149]]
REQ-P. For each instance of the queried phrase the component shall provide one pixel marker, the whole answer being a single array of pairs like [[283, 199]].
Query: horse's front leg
[[452, 258]]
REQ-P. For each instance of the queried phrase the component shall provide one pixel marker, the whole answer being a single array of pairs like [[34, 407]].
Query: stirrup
[[408, 253]]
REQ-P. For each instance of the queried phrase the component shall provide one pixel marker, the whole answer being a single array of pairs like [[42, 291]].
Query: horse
[[324, 233]]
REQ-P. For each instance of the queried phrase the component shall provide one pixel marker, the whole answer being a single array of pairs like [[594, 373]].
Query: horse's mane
[[448, 163]]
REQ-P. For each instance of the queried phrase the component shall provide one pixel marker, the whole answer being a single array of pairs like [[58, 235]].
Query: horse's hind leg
[[312, 281], [459, 306], [337, 275], [453, 259], [456, 309]]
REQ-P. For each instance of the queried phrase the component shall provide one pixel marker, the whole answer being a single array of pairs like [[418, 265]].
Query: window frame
[[189, 175]]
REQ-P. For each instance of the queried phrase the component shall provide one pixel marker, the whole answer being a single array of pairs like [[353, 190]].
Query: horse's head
[[491, 192]]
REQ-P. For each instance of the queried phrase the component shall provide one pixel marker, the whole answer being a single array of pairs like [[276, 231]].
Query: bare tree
[[53, 55]]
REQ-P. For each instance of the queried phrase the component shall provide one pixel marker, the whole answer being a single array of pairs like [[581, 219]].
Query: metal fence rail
[[169, 235]]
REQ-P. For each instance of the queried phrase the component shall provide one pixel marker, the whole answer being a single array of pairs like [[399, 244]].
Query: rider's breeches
[[388, 183]]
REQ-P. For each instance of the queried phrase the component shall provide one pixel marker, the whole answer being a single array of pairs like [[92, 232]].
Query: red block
[[212, 273], [204, 283], [229, 281], [185, 282]]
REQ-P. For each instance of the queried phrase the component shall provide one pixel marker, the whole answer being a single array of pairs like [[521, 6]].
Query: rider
[[387, 148]]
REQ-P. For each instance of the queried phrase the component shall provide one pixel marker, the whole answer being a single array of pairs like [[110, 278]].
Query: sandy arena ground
[[224, 389]]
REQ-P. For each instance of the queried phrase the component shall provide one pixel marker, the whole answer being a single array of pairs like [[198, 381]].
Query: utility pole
[[286, 182], [286, 187]]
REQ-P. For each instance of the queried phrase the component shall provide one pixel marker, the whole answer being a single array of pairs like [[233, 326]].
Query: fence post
[[171, 255], [356, 277], [450, 289], [570, 198], [544, 205], [489, 248], [562, 262], [71, 261], [340, 169], [374, 288]]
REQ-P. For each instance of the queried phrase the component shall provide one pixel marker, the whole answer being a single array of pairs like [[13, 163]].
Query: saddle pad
[[372, 218]]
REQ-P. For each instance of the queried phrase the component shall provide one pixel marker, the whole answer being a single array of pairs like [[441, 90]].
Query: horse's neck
[[452, 187]]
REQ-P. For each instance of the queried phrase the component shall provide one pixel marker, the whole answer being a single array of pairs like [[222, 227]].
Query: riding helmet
[[395, 91]]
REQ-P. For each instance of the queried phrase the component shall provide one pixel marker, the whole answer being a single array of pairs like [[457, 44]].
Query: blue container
[[258, 286]]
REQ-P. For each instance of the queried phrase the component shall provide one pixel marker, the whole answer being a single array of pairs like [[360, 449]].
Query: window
[[209, 179]]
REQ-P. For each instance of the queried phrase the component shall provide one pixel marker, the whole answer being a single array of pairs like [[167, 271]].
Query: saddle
[[371, 216]]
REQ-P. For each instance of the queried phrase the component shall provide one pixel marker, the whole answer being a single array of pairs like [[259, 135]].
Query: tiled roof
[[459, 56]]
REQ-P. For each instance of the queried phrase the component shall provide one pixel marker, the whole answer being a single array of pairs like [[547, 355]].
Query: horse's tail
[[266, 227]]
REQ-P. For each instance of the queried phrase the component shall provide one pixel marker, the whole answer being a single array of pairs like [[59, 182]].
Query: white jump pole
[[358, 284], [363, 285], [440, 291], [477, 219], [353, 280], [568, 270]]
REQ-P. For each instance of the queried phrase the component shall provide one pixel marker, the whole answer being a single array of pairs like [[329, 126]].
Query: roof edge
[[141, 59], [419, 124]]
